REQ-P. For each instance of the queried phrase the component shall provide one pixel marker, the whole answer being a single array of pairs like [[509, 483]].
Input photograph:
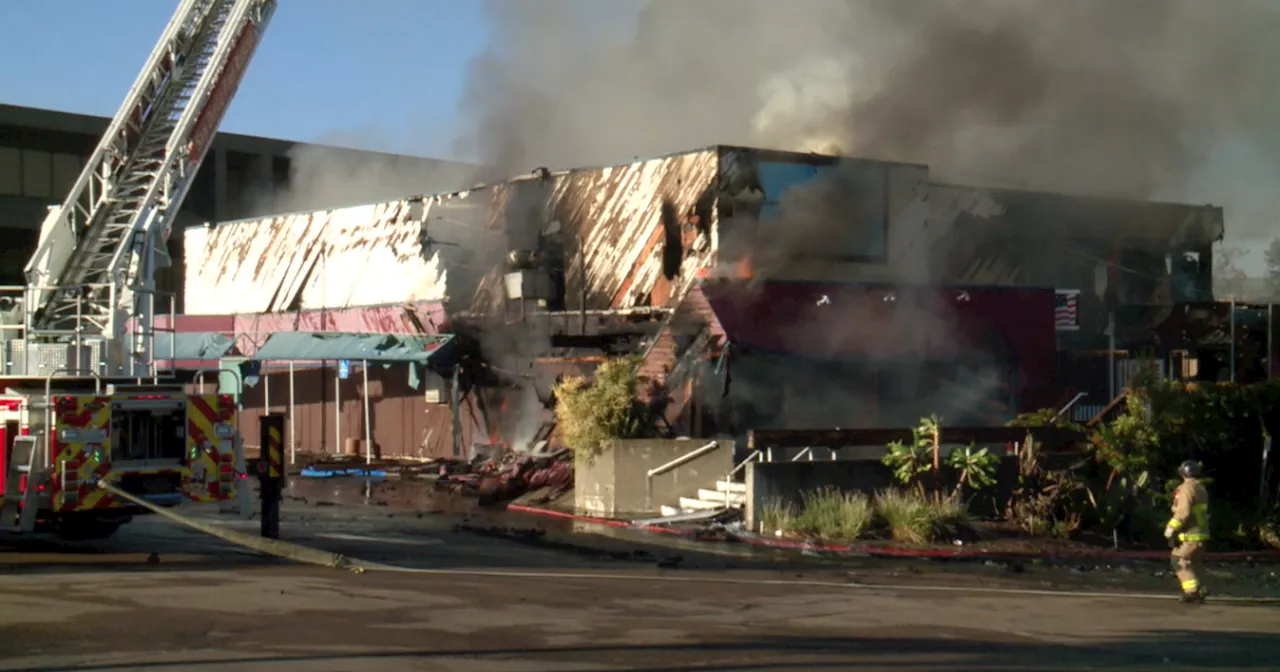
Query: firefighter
[[1188, 531]]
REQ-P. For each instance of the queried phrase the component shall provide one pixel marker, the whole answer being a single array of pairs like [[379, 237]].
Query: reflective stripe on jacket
[[1191, 511]]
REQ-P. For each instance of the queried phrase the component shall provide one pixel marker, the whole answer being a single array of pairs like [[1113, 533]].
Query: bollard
[[271, 472]]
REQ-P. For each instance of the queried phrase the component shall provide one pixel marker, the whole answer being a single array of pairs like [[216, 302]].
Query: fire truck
[[82, 398]]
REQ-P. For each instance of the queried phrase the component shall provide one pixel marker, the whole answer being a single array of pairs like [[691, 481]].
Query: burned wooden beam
[[839, 438]]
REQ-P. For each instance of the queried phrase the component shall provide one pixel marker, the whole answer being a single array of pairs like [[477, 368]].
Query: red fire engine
[[82, 399]]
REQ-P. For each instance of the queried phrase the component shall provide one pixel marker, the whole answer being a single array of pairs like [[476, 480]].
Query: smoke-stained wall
[[802, 355], [792, 216], [632, 235], [638, 234]]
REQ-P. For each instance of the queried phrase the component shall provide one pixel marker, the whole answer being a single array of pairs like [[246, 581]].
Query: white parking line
[[380, 540], [850, 585]]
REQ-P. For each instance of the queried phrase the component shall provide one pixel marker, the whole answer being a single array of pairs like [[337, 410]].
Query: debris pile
[[517, 474], [495, 476], [355, 466]]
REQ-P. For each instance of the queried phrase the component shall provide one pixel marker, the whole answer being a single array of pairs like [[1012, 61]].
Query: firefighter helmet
[[1189, 469]]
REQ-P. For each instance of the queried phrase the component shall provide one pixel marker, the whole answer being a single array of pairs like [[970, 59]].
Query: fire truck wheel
[[86, 530]]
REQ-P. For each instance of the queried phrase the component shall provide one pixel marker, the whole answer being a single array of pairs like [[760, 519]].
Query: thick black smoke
[[1166, 99], [1170, 99]]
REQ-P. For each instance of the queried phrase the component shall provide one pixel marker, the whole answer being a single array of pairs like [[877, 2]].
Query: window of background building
[[235, 190], [15, 247], [66, 168], [10, 171], [233, 185], [37, 174], [280, 172]]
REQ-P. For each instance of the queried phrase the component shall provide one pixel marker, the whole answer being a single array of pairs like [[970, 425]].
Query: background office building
[[43, 151]]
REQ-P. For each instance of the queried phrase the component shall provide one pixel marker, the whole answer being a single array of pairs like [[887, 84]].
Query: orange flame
[[742, 269]]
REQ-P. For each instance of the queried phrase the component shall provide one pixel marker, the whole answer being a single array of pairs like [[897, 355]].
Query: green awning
[[191, 345], [313, 347]]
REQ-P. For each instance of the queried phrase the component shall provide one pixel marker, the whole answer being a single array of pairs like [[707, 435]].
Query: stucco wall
[[615, 483]]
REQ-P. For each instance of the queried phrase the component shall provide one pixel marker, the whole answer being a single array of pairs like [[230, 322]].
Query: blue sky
[[374, 74]]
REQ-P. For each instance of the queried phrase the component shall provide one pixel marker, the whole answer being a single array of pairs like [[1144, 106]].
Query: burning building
[[542, 275], [808, 355]]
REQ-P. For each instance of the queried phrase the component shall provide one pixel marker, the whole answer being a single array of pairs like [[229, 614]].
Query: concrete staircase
[[728, 494]]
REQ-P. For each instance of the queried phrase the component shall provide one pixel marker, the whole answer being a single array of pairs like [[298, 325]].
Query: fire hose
[[282, 549], [311, 556]]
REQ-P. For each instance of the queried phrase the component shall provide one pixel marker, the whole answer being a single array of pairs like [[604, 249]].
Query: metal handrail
[[743, 464], [48, 381], [197, 383], [683, 459], [48, 408], [1078, 397], [808, 451], [198, 379], [648, 482]]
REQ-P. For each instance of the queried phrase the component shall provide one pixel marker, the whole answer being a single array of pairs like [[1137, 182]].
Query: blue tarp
[[313, 347], [312, 472], [192, 345]]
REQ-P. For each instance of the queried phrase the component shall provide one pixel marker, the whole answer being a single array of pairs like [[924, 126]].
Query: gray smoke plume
[[1163, 99], [1168, 99], [323, 177]]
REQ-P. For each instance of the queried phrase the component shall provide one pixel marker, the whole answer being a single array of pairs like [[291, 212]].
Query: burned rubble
[[494, 476]]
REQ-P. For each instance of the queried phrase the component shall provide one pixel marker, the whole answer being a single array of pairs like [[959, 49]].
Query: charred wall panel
[[364, 255], [608, 223]]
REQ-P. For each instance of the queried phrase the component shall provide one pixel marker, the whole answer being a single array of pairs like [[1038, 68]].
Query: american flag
[[1066, 303]]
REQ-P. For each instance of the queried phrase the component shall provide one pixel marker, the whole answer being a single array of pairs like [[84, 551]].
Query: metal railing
[[808, 452], [86, 328], [728, 478], [687, 457], [755, 454], [1071, 403], [664, 468], [48, 412]]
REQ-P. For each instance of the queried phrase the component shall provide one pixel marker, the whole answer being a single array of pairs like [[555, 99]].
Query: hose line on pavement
[[311, 556]]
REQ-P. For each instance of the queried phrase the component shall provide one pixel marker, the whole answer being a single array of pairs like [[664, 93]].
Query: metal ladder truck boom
[[89, 304], [88, 309]]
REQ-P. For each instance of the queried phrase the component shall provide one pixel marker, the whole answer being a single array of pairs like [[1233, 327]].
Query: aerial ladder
[[89, 306], [91, 281]]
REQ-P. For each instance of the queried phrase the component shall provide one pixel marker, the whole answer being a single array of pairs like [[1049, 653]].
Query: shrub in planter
[[913, 518], [828, 514], [592, 412]]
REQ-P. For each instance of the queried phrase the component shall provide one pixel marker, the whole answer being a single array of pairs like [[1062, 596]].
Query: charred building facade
[[740, 274]]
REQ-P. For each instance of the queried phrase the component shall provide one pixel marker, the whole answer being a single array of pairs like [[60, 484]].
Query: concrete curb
[[607, 522], [891, 552]]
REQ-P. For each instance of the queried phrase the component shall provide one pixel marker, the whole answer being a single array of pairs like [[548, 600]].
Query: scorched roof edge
[[889, 285], [534, 174], [1081, 196]]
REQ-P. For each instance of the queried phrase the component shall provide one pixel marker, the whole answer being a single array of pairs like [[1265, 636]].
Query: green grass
[[827, 514], [948, 519], [912, 518], [831, 514], [775, 516]]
